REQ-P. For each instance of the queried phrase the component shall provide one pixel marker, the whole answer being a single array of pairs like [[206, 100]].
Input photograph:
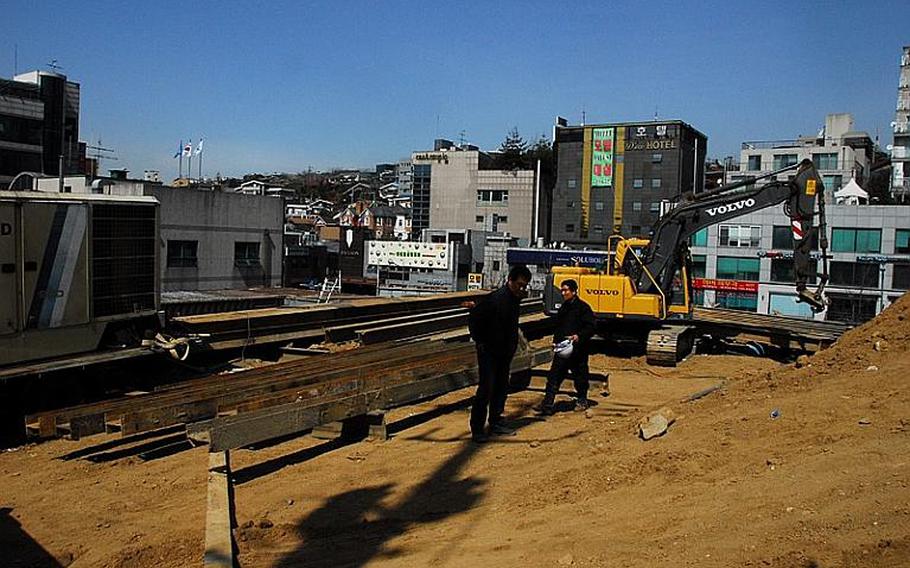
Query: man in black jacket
[[574, 322], [493, 323]]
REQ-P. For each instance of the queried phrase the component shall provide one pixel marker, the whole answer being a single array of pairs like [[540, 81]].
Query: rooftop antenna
[[461, 138], [54, 66], [15, 59], [99, 152], [655, 113], [582, 115]]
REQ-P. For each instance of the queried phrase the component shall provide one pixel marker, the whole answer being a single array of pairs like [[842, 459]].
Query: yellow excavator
[[646, 282]]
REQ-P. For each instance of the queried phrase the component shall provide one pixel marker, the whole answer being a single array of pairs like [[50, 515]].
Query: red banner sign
[[725, 285]]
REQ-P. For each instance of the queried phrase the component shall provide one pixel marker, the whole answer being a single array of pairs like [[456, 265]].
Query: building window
[[850, 309], [825, 161], [782, 238], [860, 274], [182, 254], [246, 254], [755, 163], [700, 238], [856, 240], [478, 219], [570, 227], [902, 241], [599, 229], [570, 183], [655, 183], [736, 268], [503, 219], [740, 236], [598, 205], [784, 160], [638, 183], [636, 230], [496, 196], [654, 208], [833, 183], [636, 206], [782, 271], [657, 158], [495, 265], [745, 301], [901, 278], [699, 265]]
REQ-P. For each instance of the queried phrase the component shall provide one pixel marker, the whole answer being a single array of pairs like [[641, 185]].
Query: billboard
[[602, 157], [408, 254], [725, 285]]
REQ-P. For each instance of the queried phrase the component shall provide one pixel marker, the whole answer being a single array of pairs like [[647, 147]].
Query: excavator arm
[[668, 247]]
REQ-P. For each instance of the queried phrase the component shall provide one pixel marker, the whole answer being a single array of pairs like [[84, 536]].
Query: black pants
[[578, 365], [492, 389]]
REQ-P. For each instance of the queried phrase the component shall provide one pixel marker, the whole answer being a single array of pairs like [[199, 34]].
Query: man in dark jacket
[[574, 322], [493, 323]]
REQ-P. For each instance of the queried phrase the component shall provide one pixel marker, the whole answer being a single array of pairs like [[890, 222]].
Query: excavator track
[[669, 344]]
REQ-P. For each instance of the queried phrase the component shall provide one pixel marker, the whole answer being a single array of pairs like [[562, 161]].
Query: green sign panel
[[602, 157]]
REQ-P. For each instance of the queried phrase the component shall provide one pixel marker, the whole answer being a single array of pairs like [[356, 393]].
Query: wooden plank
[[81, 426], [226, 433], [142, 421], [261, 395], [219, 545], [260, 377]]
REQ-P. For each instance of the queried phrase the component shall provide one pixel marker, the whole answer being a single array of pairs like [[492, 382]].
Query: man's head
[[568, 289], [519, 277]]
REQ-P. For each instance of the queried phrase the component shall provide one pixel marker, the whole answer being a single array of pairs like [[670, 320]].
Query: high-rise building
[[900, 150], [39, 125], [614, 178]]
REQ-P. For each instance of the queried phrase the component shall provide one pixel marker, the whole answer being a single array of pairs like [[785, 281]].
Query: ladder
[[328, 288]]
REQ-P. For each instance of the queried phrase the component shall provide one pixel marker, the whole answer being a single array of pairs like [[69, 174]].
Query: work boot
[[582, 404], [480, 438], [544, 408], [500, 429]]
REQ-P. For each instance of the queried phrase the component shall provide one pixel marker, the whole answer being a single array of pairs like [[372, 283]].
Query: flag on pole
[[199, 146], [179, 149], [188, 149]]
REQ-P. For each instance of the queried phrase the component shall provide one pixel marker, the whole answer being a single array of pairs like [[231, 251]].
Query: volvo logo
[[723, 209], [602, 292]]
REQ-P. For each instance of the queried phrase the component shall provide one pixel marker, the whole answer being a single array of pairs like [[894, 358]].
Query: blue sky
[[283, 86]]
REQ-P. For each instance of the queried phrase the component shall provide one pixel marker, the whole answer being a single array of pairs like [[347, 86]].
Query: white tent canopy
[[851, 194]]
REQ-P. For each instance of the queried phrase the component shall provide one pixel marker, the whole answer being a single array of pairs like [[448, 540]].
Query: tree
[[512, 152]]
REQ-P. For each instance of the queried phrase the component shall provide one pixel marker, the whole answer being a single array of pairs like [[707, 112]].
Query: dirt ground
[[785, 465]]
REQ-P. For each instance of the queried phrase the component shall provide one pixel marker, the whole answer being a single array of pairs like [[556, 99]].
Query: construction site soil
[[787, 465]]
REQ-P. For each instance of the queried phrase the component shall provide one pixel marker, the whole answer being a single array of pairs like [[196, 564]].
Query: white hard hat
[[563, 348]]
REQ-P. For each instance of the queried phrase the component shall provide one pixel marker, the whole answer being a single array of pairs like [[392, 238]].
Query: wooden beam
[[229, 432], [219, 544]]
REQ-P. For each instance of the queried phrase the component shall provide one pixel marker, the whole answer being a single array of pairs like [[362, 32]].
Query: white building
[[454, 189], [838, 151]]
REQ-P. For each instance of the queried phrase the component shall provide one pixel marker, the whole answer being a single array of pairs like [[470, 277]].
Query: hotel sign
[[660, 144], [602, 157]]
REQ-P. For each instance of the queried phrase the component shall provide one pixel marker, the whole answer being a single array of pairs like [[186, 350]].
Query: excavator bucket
[[816, 300]]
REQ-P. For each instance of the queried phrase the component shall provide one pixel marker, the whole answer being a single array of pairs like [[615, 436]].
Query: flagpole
[[180, 172], [189, 169]]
